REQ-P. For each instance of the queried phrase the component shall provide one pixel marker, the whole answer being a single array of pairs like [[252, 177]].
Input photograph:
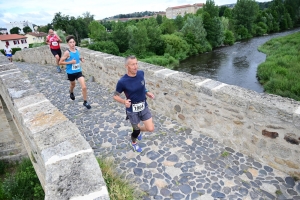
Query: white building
[[13, 41], [20, 24], [172, 12]]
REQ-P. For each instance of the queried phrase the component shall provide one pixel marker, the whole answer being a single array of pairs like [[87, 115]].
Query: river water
[[234, 65]]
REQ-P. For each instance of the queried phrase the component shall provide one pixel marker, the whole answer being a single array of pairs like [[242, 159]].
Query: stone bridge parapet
[[63, 160]]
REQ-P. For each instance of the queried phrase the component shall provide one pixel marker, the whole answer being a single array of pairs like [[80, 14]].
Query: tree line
[[165, 42]]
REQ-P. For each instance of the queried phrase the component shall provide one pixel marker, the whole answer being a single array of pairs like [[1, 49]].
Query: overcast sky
[[41, 12]]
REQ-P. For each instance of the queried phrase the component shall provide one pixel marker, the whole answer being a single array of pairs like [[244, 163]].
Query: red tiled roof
[[12, 37], [199, 4], [183, 6], [37, 34], [188, 5]]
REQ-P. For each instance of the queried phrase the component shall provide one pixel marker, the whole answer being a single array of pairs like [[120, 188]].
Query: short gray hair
[[129, 58]]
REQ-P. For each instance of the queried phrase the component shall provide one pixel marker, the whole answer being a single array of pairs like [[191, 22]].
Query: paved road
[[176, 162]]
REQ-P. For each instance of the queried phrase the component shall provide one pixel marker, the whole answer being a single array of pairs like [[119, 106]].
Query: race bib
[[75, 66], [54, 43], [138, 107]]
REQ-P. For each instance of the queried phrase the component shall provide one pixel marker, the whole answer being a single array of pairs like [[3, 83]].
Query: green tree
[[76, 27], [228, 13], [292, 7], [159, 19], [120, 35], [168, 26], [211, 8], [45, 29], [176, 46], [245, 13], [27, 29], [60, 21], [97, 31], [222, 10], [154, 33], [138, 40], [15, 30], [195, 34], [281, 14], [179, 22]]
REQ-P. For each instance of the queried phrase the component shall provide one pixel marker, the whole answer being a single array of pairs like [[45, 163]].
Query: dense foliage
[[160, 40], [27, 29], [23, 184]]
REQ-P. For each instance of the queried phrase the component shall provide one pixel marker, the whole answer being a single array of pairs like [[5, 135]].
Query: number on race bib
[[138, 107], [75, 66], [54, 43]]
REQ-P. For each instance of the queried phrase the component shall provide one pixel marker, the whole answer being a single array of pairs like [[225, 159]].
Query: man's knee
[[150, 129]]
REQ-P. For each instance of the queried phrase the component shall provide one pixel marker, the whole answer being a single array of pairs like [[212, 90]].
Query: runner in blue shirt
[[133, 85], [71, 59]]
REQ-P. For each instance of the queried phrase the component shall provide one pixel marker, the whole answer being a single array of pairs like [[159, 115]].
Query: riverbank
[[280, 73]]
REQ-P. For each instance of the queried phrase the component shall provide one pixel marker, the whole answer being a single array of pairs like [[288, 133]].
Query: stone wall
[[266, 127], [63, 160]]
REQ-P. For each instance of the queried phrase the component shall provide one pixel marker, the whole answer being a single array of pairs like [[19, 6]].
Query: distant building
[[3, 30], [36, 37], [20, 24], [14, 41], [172, 12]]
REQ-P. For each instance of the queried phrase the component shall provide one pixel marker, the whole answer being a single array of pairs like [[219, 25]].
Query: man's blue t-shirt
[[133, 87], [73, 68]]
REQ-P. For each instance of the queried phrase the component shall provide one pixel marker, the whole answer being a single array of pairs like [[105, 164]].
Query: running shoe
[[58, 69], [87, 105], [136, 147], [72, 96]]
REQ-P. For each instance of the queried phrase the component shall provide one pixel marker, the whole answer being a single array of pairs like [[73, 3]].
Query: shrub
[[166, 61], [229, 37], [106, 47], [23, 184], [38, 44]]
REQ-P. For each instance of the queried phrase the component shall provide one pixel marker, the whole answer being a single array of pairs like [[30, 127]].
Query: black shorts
[[72, 77], [56, 52]]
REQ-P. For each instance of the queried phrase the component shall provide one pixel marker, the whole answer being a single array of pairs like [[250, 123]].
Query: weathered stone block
[[41, 116], [74, 176]]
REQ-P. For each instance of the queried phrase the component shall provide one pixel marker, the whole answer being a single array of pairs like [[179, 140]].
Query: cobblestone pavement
[[176, 162]]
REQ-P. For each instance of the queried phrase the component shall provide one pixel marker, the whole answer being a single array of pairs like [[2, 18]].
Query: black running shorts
[[56, 52], [72, 77]]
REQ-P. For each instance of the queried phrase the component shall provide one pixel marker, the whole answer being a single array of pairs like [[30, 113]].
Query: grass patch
[[278, 192], [20, 181], [118, 187], [280, 74], [225, 154]]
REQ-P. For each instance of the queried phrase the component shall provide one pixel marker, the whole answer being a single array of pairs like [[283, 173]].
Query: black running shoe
[[72, 96], [87, 105]]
